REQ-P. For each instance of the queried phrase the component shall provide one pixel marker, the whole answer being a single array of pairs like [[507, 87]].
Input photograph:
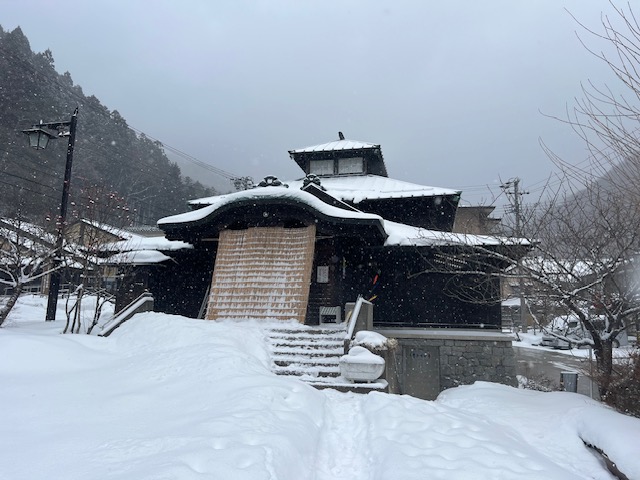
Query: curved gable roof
[[273, 196]]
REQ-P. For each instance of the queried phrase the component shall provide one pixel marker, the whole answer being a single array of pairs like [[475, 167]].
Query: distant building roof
[[137, 257], [475, 219], [140, 243], [145, 230]]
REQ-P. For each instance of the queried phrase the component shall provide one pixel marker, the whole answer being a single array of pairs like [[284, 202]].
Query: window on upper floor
[[321, 167], [345, 166], [350, 165]]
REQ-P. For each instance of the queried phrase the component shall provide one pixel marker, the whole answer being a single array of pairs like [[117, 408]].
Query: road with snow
[[545, 365]]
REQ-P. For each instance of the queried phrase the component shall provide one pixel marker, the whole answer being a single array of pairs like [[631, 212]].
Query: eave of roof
[[395, 234], [401, 235], [338, 145]]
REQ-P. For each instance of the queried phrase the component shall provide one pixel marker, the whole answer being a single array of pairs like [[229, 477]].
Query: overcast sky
[[452, 90]]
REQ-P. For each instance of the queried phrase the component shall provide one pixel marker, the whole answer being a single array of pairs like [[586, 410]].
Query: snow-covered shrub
[[624, 386], [373, 341]]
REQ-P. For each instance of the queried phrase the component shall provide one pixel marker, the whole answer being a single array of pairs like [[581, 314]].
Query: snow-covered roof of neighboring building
[[511, 302], [336, 146], [138, 257], [115, 231], [138, 242], [27, 235], [266, 193], [131, 241], [356, 188]]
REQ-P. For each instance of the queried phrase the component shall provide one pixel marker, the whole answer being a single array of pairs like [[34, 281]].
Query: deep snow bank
[[556, 423], [169, 397]]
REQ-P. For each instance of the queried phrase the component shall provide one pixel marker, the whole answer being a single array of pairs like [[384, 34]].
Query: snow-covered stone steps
[[345, 386], [307, 372], [306, 352], [316, 348], [297, 352], [311, 336], [312, 354], [303, 362]]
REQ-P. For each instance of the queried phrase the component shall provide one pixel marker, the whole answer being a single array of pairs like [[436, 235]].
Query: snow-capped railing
[[355, 321], [143, 303]]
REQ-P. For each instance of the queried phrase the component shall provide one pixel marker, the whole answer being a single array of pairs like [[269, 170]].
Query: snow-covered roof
[[398, 234], [27, 234], [139, 242], [511, 302], [138, 257], [356, 188], [267, 193], [139, 250], [115, 231], [564, 269], [403, 235], [130, 241], [336, 146]]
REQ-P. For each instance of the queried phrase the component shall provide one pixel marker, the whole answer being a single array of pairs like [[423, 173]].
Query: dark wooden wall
[[434, 213], [178, 286], [324, 294], [429, 300]]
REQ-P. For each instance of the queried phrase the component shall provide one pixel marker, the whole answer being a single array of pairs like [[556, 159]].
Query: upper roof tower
[[341, 157]]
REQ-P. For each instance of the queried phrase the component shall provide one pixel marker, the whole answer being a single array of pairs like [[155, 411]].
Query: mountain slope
[[108, 152]]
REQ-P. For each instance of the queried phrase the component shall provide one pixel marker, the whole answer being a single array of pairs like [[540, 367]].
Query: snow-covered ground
[[165, 397]]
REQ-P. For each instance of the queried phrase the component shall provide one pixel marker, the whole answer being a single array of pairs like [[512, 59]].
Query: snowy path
[[343, 450]]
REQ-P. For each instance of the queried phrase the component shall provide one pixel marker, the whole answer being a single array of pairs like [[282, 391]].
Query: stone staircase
[[312, 355]]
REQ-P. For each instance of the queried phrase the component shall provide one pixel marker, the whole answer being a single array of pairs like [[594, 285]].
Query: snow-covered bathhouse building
[[307, 249]]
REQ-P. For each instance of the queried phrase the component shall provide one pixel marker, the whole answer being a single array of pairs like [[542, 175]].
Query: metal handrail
[[126, 313], [352, 320], [352, 317]]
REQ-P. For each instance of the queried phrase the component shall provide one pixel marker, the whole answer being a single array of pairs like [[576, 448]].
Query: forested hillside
[[110, 158]]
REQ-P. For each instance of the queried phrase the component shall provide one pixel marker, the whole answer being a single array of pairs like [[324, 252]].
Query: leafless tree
[[584, 234], [607, 119], [26, 251], [100, 217], [583, 245]]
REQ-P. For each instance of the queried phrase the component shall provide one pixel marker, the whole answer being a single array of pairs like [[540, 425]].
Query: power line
[[186, 156]]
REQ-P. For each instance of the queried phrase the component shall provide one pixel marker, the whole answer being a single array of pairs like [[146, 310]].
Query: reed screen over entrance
[[262, 273]]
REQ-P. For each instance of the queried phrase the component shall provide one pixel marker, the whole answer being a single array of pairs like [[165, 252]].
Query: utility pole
[[514, 184]]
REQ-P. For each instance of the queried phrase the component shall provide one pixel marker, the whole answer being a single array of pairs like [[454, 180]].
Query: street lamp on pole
[[39, 136]]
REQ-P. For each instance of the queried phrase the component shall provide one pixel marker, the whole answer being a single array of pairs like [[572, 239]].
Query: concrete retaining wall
[[425, 362]]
